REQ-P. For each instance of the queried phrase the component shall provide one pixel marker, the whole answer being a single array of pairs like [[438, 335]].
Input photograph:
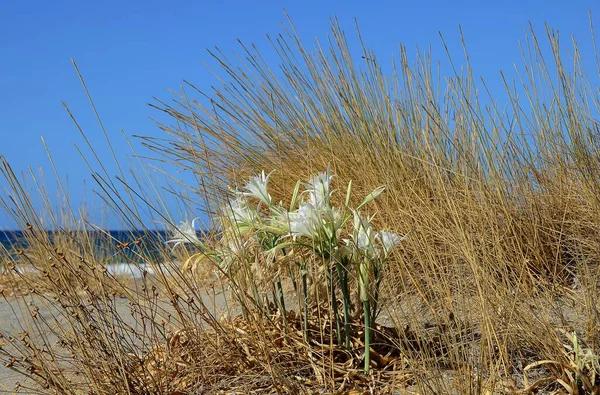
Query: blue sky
[[132, 51]]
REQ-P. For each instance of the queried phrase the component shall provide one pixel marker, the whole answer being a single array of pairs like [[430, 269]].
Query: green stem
[[291, 273], [367, 314], [293, 277], [343, 276], [281, 300], [275, 298], [376, 295]]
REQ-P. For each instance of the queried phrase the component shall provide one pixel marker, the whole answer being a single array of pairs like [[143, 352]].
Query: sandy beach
[[12, 321]]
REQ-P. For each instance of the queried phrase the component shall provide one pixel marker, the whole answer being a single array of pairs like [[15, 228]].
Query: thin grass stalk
[[244, 308], [258, 299], [293, 278], [273, 295], [305, 304], [304, 299], [334, 304], [367, 311]]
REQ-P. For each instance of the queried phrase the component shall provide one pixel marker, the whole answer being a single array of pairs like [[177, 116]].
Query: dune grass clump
[[500, 201], [494, 289]]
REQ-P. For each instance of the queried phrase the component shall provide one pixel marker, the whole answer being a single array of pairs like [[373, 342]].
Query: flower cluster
[[314, 223], [257, 233], [373, 245]]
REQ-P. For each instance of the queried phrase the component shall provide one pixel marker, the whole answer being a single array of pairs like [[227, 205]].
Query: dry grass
[[500, 268]]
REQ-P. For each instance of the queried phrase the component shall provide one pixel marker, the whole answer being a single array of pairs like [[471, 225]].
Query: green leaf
[[280, 247], [295, 196], [273, 230], [363, 279], [371, 196], [348, 193]]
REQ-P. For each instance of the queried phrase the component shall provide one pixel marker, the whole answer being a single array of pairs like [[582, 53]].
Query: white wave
[[129, 269], [134, 270]]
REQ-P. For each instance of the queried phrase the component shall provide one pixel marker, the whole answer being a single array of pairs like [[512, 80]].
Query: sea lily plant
[[371, 250], [309, 224], [185, 233]]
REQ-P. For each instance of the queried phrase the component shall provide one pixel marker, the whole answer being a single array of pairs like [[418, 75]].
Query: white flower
[[318, 188], [304, 222], [257, 187], [315, 218], [317, 224], [363, 236], [389, 240], [240, 214], [185, 233], [369, 243]]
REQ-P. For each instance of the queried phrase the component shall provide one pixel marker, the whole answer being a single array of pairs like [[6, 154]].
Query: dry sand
[[12, 312]]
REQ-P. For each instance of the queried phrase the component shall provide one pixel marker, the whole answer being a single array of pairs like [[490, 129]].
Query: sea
[[112, 245]]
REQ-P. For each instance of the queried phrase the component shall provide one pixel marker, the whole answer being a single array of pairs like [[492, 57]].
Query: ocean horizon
[[107, 243]]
